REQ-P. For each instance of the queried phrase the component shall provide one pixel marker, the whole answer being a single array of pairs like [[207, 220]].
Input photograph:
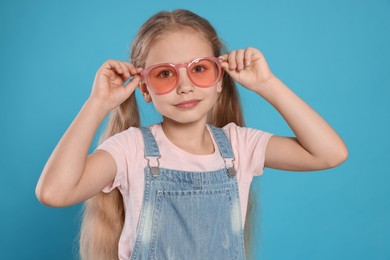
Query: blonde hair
[[104, 215]]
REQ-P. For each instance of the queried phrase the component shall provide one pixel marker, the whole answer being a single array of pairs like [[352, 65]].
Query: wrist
[[267, 86], [97, 106], [276, 92]]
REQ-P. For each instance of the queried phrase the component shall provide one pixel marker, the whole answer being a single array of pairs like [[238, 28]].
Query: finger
[[232, 60], [248, 56], [114, 66], [125, 69], [223, 61], [240, 59], [121, 70], [223, 57], [109, 69], [117, 67], [130, 68], [138, 70]]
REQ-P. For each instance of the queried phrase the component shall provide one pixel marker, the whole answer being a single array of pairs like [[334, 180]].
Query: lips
[[188, 103]]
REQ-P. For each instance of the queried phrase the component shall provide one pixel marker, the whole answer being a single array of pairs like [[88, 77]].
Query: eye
[[199, 68], [165, 74]]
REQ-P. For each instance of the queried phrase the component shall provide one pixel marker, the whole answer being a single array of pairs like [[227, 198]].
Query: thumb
[[225, 65], [232, 73], [132, 84]]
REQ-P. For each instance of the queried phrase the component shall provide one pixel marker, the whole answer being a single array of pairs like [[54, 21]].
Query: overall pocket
[[195, 224]]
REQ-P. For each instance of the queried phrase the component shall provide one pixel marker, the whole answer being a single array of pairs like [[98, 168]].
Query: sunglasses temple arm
[[132, 77]]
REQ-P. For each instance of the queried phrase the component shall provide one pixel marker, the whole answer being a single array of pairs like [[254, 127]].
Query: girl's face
[[187, 103]]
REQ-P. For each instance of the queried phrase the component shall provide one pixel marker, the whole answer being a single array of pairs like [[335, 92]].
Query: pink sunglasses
[[163, 78]]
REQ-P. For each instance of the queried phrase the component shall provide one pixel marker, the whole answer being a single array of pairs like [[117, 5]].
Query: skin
[[71, 176], [316, 145], [186, 128]]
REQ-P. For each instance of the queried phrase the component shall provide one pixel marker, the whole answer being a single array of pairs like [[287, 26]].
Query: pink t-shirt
[[127, 149]]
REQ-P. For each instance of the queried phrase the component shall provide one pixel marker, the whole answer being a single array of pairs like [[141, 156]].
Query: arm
[[66, 165], [69, 176], [316, 145]]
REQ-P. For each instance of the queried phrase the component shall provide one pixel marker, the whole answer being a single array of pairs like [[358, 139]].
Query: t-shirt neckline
[[185, 153]]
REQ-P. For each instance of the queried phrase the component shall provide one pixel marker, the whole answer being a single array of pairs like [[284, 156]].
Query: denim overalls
[[189, 215]]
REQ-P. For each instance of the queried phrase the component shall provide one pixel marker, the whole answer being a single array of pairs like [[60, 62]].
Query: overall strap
[[225, 148], [151, 148], [222, 141]]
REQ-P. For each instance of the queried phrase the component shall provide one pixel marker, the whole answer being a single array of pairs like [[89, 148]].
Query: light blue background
[[333, 54]]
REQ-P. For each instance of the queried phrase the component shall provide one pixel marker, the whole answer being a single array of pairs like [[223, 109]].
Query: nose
[[184, 85]]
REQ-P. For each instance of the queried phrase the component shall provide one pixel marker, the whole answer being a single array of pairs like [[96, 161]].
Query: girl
[[178, 189]]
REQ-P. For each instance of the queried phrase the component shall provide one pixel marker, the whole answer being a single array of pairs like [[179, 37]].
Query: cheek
[[159, 101], [216, 89]]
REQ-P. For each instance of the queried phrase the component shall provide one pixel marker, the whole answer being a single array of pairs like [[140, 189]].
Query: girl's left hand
[[248, 67]]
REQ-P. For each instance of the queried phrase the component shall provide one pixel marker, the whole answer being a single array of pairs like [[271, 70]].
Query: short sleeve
[[258, 141], [116, 146], [250, 145]]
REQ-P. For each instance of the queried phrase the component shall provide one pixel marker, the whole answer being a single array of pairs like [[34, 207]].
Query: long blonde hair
[[103, 215]]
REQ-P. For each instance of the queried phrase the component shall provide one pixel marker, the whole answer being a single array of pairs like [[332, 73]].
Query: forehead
[[178, 47]]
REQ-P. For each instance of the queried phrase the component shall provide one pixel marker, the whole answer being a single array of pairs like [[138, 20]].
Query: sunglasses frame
[[176, 67]]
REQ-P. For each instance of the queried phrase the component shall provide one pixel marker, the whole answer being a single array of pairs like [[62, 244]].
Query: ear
[[144, 91], [219, 86]]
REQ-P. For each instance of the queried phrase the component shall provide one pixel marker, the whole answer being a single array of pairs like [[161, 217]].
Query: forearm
[[312, 132], [67, 162]]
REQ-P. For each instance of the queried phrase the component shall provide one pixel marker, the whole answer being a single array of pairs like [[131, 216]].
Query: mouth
[[188, 103]]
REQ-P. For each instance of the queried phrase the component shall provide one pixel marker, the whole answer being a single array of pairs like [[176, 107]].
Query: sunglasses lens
[[162, 79], [204, 72]]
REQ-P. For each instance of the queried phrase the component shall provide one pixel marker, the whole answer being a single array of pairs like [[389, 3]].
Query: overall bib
[[189, 215]]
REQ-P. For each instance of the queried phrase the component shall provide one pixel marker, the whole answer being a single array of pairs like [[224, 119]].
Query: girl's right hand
[[108, 87]]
